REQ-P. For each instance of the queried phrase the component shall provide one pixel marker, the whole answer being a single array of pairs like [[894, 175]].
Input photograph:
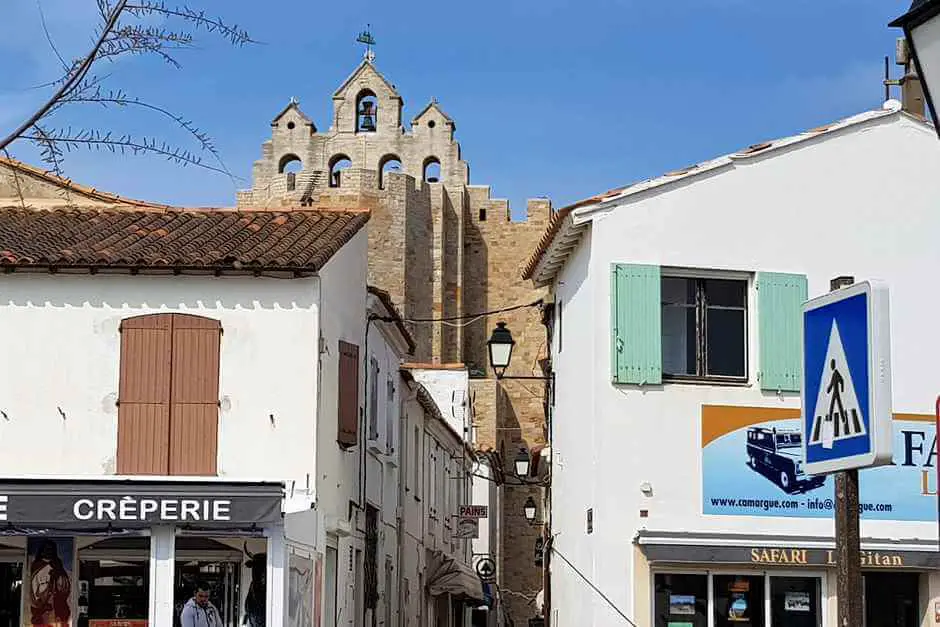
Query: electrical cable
[[478, 315], [593, 587]]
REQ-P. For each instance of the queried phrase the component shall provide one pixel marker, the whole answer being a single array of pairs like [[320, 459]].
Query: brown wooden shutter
[[348, 419], [144, 395], [194, 399]]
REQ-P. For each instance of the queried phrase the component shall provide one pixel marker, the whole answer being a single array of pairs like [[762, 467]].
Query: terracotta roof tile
[[300, 241]]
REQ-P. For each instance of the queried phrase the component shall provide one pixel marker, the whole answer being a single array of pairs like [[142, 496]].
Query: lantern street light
[[530, 509], [500, 346], [921, 25], [522, 463]]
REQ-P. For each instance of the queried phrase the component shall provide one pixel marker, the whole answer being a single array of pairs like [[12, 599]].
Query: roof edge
[[563, 224]]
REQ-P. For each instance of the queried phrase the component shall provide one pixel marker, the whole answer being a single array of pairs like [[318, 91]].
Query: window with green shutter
[[636, 331], [779, 299]]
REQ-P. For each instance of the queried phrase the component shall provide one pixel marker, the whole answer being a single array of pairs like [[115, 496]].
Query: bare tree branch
[[16, 180], [122, 144], [45, 30], [74, 78], [81, 84], [119, 98], [233, 33]]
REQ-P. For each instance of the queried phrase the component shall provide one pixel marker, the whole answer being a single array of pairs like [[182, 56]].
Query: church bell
[[366, 117]]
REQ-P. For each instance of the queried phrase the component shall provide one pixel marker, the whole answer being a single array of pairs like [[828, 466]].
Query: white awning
[[448, 575]]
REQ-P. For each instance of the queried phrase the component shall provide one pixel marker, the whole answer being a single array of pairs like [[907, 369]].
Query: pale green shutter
[[636, 324], [779, 298]]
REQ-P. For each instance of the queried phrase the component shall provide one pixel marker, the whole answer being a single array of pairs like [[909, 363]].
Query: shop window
[[681, 600], [11, 579], [892, 599], [348, 418], [704, 328], [739, 600], [795, 602], [168, 395]]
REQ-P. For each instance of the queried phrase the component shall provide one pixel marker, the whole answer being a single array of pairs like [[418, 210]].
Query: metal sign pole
[[848, 534], [846, 399], [848, 549]]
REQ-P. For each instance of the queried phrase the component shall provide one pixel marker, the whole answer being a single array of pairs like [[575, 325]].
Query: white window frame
[[822, 575]]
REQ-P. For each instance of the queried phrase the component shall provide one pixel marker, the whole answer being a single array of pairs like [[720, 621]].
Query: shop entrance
[[114, 579], [738, 600], [892, 599]]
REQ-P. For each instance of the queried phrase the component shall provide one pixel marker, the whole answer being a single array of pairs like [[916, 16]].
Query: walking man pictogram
[[835, 389]]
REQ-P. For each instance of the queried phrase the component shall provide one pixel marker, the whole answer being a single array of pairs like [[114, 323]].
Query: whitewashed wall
[[862, 202], [61, 360]]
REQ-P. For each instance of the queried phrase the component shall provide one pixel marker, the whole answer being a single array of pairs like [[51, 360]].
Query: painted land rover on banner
[[777, 455]]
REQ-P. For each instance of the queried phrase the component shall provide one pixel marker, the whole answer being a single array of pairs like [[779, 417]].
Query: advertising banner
[[47, 589], [752, 466]]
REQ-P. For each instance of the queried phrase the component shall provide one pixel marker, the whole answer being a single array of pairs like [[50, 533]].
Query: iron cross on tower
[[365, 37]]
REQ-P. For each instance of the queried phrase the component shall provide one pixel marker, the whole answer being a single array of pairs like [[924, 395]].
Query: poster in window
[[47, 591], [299, 591], [737, 608], [796, 602], [682, 604]]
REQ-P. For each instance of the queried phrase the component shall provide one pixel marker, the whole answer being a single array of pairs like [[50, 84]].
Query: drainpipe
[[400, 510]]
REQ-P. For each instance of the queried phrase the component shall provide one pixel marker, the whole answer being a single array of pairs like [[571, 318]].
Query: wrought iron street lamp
[[500, 346], [921, 25], [522, 463], [530, 509]]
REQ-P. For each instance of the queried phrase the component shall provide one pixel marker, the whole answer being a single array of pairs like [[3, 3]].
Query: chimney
[[912, 90]]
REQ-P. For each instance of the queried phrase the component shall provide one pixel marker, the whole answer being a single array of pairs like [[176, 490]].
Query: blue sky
[[551, 98]]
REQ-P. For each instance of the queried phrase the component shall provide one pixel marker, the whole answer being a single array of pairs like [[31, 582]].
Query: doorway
[[892, 599], [11, 576]]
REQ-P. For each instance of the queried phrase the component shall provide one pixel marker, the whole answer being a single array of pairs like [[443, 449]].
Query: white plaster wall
[[450, 389], [861, 202], [60, 368], [343, 301]]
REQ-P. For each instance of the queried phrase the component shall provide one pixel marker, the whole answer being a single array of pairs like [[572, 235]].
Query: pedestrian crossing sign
[[846, 391]]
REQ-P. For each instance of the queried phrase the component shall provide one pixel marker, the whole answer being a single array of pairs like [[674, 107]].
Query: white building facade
[[163, 404], [676, 499], [440, 585]]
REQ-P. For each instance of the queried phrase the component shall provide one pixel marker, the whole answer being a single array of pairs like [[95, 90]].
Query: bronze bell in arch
[[367, 116]]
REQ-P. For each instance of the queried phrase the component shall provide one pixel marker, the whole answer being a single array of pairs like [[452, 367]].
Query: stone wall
[[446, 252]]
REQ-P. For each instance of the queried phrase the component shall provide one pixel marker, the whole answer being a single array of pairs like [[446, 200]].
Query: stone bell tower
[[445, 250]]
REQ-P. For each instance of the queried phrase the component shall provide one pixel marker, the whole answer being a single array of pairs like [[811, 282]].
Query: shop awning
[[34, 504], [448, 575], [678, 547]]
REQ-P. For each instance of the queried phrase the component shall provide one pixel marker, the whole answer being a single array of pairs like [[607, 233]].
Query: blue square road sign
[[846, 391]]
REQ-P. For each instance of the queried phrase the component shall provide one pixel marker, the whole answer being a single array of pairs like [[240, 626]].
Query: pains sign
[[846, 391]]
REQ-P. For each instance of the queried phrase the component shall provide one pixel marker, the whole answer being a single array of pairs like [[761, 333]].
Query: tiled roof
[[298, 241], [83, 190], [564, 230]]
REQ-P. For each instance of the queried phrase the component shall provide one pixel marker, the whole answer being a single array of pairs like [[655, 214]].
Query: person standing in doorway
[[199, 611]]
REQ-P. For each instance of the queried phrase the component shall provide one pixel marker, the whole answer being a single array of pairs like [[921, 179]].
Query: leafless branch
[[116, 36], [16, 180], [94, 139], [45, 30], [233, 33], [74, 78], [120, 99]]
